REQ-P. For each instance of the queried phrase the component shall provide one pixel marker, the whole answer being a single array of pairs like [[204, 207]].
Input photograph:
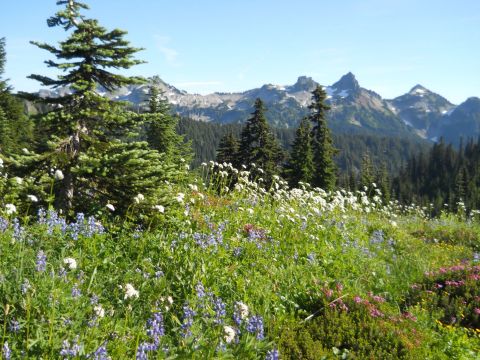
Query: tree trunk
[[65, 194]]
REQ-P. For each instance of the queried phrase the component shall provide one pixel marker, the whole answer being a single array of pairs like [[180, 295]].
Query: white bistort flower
[[242, 309], [139, 198], [229, 334], [59, 174], [10, 209], [130, 292], [32, 198], [159, 208], [99, 311], [110, 207], [71, 263], [180, 197]]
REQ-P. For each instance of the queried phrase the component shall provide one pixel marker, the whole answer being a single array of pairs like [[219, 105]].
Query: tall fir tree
[[227, 149], [382, 180], [161, 125], [301, 166], [3, 60], [89, 134], [15, 126], [367, 176], [258, 145], [323, 150]]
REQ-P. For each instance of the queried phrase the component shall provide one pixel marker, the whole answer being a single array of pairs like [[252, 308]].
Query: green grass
[[293, 257]]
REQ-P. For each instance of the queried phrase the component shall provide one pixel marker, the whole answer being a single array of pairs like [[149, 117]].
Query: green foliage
[[301, 165], [451, 294], [161, 127], [3, 60], [227, 149], [305, 263], [15, 126], [351, 330], [89, 137], [258, 146], [443, 177], [323, 150]]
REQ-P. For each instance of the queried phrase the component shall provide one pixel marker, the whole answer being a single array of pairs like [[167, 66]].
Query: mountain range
[[419, 113]]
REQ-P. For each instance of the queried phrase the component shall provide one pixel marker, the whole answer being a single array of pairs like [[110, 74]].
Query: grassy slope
[[279, 254]]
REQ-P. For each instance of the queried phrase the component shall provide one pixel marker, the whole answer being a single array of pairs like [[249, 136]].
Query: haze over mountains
[[418, 113]]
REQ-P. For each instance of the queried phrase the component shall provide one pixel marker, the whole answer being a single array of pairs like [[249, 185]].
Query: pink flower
[[357, 299], [476, 311]]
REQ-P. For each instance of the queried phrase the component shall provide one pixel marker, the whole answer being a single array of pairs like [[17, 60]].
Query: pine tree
[[367, 176], [15, 126], [383, 181], [86, 131], [161, 126], [258, 145], [301, 166], [227, 149], [3, 60], [323, 149]]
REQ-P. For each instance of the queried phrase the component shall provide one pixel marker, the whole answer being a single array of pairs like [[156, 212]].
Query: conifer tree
[[367, 176], [258, 145], [323, 150], [3, 59], [227, 149], [161, 125], [15, 126], [301, 165], [89, 134], [383, 181]]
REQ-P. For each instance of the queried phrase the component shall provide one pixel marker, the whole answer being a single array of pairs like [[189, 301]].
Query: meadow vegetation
[[233, 270]]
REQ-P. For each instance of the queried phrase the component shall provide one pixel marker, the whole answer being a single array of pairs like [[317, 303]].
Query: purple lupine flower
[[3, 224], [237, 251], [62, 273], [7, 353], [272, 355], [155, 326], [25, 286], [17, 230], [70, 350], [101, 353], [311, 258], [14, 326], [41, 261], [219, 308], [143, 349], [94, 300], [200, 290], [377, 237], [155, 330], [188, 315], [76, 291], [42, 216], [255, 326]]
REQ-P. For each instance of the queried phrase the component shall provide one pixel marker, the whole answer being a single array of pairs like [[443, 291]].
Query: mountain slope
[[354, 109], [422, 110]]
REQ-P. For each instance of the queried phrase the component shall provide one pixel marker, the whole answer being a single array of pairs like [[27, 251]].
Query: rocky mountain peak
[[418, 90], [347, 82], [304, 83]]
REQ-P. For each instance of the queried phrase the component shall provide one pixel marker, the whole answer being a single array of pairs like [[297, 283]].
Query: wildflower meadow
[[233, 270]]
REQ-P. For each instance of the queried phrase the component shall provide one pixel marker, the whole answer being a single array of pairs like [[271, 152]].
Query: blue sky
[[219, 45]]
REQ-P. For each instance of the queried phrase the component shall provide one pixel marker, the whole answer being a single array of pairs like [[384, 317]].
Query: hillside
[[247, 274]]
